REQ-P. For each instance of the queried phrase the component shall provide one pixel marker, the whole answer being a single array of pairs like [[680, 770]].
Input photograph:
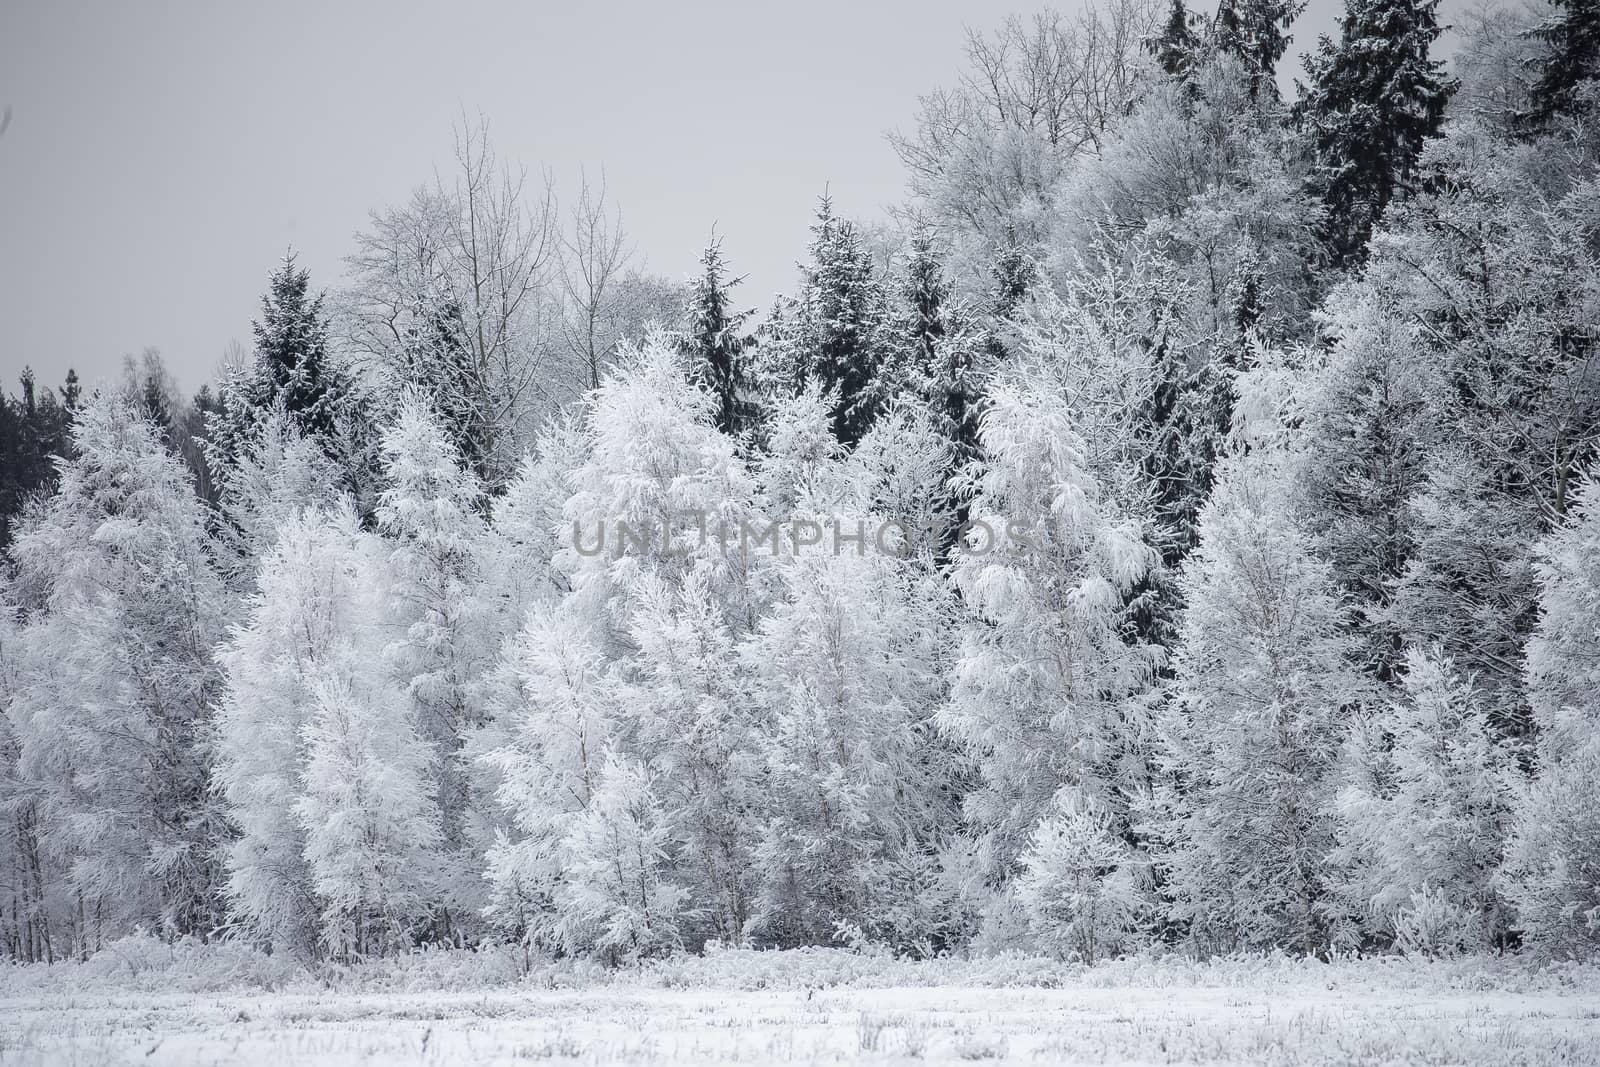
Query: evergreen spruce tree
[[841, 324], [1175, 47], [1256, 31], [1572, 33], [712, 341], [293, 369], [292, 360], [436, 359], [943, 352], [1374, 97]]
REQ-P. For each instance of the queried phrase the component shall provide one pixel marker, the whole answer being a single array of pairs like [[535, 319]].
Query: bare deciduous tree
[[455, 288], [987, 153], [595, 256]]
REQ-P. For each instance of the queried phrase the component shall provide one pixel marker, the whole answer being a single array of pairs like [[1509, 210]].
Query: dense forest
[[1178, 525]]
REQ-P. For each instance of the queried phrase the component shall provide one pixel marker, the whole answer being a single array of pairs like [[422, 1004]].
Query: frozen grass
[[142, 1003]]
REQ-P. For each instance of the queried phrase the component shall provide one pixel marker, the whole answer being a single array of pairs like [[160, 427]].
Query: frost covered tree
[[988, 153], [1256, 32], [527, 529], [1175, 46], [843, 667], [1552, 869], [836, 333], [654, 467], [1047, 663], [618, 901], [277, 474], [455, 293], [1457, 407], [1423, 815], [293, 369], [367, 807], [944, 356], [439, 651], [695, 717], [556, 738], [1367, 460], [902, 472], [1261, 683], [643, 624], [40, 918], [320, 757], [113, 703], [307, 599]]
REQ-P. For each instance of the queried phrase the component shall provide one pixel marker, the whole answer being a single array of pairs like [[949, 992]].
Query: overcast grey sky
[[163, 155]]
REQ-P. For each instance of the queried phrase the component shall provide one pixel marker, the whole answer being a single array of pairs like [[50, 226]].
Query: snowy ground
[[801, 1008]]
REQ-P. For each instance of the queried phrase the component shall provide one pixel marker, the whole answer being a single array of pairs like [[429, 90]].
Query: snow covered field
[[141, 1003]]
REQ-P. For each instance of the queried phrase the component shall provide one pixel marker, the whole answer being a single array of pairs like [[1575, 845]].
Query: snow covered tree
[[695, 718], [293, 375], [440, 649], [988, 153], [527, 529], [1175, 46], [292, 365], [277, 475], [455, 293], [618, 901], [1422, 819], [39, 919], [556, 737], [1039, 696], [902, 472], [1468, 583], [367, 807], [713, 343], [1374, 97], [1262, 679], [307, 600], [1552, 869], [1456, 408], [943, 357], [1205, 186], [113, 707], [654, 465], [1368, 436], [853, 803]]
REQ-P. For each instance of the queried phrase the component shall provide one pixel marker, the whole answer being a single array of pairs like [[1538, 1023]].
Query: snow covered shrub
[[1433, 925], [1079, 884]]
